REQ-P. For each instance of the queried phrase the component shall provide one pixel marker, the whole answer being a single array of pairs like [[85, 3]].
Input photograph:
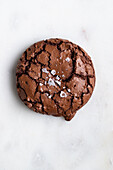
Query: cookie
[[55, 77]]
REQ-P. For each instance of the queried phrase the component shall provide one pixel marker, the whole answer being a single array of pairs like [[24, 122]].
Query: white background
[[30, 141]]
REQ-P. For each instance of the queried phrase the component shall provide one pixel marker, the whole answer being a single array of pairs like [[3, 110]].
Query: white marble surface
[[30, 141]]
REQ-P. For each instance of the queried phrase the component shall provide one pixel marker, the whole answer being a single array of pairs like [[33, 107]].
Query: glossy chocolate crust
[[55, 77]]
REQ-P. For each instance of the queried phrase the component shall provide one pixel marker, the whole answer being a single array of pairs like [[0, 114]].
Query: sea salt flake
[[63, 75], [63, 94], [47, 94], [40, 84], [50, 96], [51, 82], [57, 77], [63, 87], [41, 89], [58, 82], [68, 90], [45, 70], [53, 72], [49, 75], [67, 59]]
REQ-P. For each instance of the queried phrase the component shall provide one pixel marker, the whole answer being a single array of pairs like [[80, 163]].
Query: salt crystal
[[63, 75], [63, 87], [68, 90], [53, 72], [49, 75], [45, 70], [51, 82], [41, 89], [58, 82], [63, 94], [40, 84], [67, 59], [57, 77], [50, 96]]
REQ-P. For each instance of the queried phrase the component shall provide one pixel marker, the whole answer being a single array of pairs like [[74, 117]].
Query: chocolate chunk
[[55, 77]]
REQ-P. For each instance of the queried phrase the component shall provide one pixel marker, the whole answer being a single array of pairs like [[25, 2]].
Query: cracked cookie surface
[[55, 77]]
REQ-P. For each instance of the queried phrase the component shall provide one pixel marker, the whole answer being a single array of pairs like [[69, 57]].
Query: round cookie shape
[[55, 77]]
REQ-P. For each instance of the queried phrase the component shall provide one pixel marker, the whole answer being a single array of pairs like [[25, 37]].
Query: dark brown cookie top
[[55, 77]]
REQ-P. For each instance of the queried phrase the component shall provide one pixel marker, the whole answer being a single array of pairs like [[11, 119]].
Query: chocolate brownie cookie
[[55, 77]]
